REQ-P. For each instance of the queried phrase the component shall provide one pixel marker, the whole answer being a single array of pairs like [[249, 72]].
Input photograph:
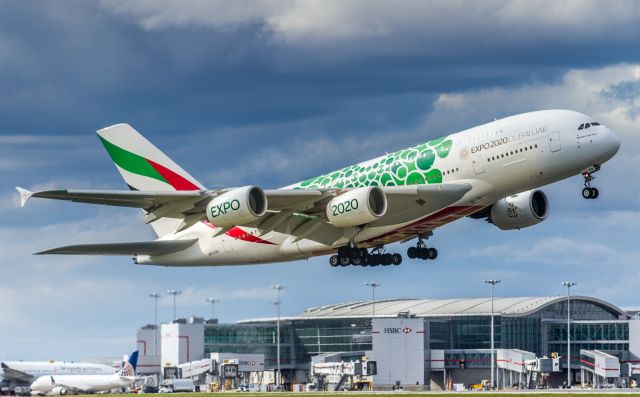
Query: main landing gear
[[421, 251], [361, 257], [590, 192]]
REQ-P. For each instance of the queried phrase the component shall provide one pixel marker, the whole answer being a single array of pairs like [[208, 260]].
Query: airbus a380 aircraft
[[491, 171]]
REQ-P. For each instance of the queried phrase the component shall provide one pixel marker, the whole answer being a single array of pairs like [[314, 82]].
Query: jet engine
[[237, 207], [520, 210], [58, 391], [357, 207]]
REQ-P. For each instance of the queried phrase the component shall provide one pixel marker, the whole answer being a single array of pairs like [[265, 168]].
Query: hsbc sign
[[405, 330]]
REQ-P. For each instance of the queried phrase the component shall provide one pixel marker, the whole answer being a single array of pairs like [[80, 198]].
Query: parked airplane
[[63, 384], [21, 372], [492, 171]]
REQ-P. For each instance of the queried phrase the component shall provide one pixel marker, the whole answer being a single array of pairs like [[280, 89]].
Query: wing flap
[[158, 247]]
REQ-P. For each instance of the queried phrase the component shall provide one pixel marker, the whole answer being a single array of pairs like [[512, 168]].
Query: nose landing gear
[[590, 192], [421, 251]]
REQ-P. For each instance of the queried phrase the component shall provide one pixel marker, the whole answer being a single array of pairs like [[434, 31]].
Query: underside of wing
[[404, 204], [158, 247], [407, 203]]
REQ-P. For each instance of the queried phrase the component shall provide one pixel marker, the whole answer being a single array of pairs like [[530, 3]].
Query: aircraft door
[[478, 165], [554, 142]]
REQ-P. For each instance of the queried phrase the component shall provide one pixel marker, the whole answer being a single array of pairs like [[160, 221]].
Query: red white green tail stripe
[[142, 165]]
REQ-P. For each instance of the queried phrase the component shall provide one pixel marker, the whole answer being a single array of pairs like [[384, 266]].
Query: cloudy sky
[[272, 92]]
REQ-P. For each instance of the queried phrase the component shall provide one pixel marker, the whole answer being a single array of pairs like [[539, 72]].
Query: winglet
[[25, 195]]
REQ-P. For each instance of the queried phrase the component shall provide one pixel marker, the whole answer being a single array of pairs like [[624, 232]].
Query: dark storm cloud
[[77, 66]]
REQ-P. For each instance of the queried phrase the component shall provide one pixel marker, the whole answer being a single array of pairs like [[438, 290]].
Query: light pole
[[213, 302], [174, 293], [155, 297], [278, 302], [373, 286], [569, 284], [493, 284]]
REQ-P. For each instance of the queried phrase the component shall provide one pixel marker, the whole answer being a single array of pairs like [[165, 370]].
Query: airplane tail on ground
[[129, 368], [144, 167]]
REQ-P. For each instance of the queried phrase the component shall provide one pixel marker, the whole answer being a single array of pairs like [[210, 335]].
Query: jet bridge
[[596, 367]]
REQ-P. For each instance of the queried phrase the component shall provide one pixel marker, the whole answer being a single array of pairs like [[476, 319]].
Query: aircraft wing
[[78, 389], [157, 247], [404, 204], [189, 205], [297, 212], [120, 198], [15, 375]]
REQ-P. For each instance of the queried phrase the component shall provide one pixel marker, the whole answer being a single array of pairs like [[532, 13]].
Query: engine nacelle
[[520, 210], [59, 391], [357, 207], [237, 207]]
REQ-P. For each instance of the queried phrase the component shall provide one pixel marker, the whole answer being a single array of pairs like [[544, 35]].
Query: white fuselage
[[41, 368], [62, 384], [497, 159]]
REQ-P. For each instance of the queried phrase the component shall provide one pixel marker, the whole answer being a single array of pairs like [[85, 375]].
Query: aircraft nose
[[612, 142]]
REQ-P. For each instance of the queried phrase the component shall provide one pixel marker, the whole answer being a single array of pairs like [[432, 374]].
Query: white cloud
[[557, 251], [419, 25]]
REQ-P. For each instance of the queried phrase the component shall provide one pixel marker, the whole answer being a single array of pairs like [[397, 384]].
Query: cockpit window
[[595, 123], [581, 126], [587, 125]]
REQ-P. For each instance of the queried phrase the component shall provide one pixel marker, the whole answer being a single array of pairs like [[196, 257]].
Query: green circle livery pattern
[[413, 166]]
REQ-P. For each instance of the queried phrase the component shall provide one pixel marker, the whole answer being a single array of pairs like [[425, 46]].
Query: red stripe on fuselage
[[178, 182], [240, 234]]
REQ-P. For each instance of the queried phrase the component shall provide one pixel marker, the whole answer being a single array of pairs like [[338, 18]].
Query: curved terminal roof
[[443, 307], [450, 307]]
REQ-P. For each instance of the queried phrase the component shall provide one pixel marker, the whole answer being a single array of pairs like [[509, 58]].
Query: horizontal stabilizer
[[152, 248], [25, 195]]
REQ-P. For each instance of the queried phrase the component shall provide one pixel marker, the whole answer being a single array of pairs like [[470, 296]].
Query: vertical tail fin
[[129, 368], [145, 167], [142, 165]]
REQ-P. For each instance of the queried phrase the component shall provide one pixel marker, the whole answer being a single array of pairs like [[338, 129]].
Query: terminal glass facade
[[542, 332]]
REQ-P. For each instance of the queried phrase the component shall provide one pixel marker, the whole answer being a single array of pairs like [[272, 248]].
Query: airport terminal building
[[435, 338]]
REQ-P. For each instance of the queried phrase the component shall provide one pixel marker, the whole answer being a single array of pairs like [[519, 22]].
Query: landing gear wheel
[[334, 260], [397, 259], [590, 192], [412, 252], [423, 253], [357, 261], [387, 259], [432, 253], [375, 260], [345, 261]]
